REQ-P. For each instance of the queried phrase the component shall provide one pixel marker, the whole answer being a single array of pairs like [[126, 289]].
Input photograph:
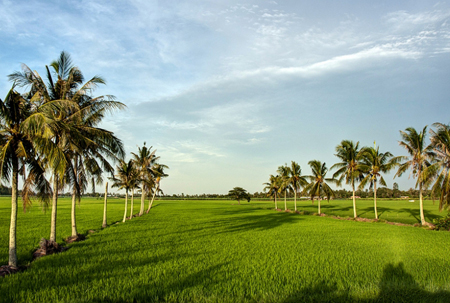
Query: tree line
[[51, 138], [428, 164]]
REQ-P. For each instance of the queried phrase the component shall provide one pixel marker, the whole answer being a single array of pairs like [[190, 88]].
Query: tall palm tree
[[75, 130], [420, 153], [273, 187], [374, 163], [440, 169], [318, 185], [283, 172], [144, 160], [23, 142], [134, 184], [158, 173], [348, 169], [125, 179], [296, 180]]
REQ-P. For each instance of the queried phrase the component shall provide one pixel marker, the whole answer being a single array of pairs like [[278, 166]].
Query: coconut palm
[[157, 172], [420, 153], [373, 164], [134, 184], [296, 180], [143, 161], [23, 143], [318, 185], [125, 179], [283, 172], [348, 169], [75, 130], [273, 187], [440, 169]]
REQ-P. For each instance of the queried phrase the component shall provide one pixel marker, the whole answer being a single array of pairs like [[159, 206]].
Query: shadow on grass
[[396, 285], [416, 214]]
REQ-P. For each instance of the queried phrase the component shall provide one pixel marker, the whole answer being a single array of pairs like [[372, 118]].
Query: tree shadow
[[396, 285], [415, 213]]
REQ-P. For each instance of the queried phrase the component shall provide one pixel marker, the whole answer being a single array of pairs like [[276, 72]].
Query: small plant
[[443, 223]]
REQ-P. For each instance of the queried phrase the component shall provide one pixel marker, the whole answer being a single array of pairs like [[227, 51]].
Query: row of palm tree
[[142, 172], [428, 164], [53, 130]]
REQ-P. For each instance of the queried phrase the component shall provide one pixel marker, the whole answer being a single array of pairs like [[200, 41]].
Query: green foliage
[[442, 223], [238, 194]]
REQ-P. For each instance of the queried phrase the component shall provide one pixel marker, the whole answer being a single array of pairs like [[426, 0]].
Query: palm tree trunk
[[375, 198], [126, 206], [354, 201], [285, 205], [104, 206], [318, 203], [54, 206], [295, 199], [141, 211], [74, 202], [153, 198], [14, 199], [132, 203], [276, 206], [422, 217]]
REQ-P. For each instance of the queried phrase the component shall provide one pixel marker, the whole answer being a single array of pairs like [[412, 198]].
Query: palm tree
[[373, 163], [318, 185], [283, 172], [125, 179], [75, 130], [296, 179], [440, 169], [273, 187], [414, 143], [157, 172], [348, 168], [23, 143], [134, 185], [144, 160]]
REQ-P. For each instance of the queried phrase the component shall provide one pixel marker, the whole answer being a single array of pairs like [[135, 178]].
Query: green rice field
[[218, 251]]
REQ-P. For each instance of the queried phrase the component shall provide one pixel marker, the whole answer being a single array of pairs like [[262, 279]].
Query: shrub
[[443, 223]]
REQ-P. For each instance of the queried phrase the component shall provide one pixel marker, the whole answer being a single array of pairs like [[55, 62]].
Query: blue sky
[[227, 91]]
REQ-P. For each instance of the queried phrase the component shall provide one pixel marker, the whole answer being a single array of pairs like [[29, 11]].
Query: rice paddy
[[213, 251]]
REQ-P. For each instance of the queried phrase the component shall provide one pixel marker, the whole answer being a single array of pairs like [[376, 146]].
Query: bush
[[443, 223]]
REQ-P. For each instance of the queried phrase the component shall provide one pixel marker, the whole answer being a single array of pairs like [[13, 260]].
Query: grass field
[[211, 251]]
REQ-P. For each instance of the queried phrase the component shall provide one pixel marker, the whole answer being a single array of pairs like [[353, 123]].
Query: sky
[[226, 91]]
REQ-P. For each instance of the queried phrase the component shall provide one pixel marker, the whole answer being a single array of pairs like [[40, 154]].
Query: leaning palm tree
[[420, 153], [373, 164], [440, 169], [158, 173], [348, 169], [273, 187], [143, 161], [283, 172], [318, 185], [125, 179], [296, 180], [24, 141]]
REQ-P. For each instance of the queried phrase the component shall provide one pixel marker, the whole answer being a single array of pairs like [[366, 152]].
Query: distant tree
[[373, 164], [283, 172], [157, 172], [296, 180], [349, 168], [238, 193], [273, 188], [318, 185], [124, 179]]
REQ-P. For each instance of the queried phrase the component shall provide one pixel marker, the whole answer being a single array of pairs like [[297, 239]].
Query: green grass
[[205, 251]]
